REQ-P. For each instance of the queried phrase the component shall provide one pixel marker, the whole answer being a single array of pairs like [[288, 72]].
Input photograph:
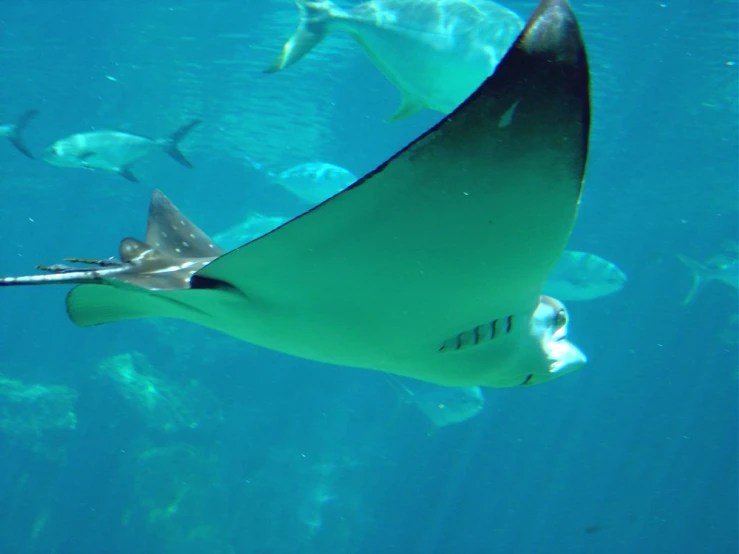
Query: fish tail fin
[[16, 137], [315, 17], [172, 142], [701, 275]]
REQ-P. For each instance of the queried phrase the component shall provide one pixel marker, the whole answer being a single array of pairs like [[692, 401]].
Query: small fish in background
[[311, 182], [255, 226], [114, 151], [14, 132], [441, 405], [436, 52], [723, 268], [583, 276]]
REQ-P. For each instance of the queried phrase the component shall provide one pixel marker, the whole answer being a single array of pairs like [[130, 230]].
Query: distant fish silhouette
[[442, 405], [255, 226], [311, 182], [583, 276], [722, 268]]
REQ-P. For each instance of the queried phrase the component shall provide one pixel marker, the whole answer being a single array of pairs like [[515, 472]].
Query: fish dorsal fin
[[170, 232], [132, 249]]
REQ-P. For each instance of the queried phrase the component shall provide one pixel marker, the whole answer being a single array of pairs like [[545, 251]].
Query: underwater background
[[161, 437]]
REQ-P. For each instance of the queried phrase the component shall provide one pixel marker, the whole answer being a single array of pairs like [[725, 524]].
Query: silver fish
[[14, 132], [255, 226], [442, 405], [583, 276], [430, 267], [436, 52], [114, 151], [310, 182]]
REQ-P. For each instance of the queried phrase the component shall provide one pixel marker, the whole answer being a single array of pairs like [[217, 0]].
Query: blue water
[[243, 450]]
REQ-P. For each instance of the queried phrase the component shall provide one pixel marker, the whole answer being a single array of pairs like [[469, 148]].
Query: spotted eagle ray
[[430, 267]]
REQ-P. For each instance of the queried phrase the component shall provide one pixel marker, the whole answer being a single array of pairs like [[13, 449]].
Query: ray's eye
[[560, 319]]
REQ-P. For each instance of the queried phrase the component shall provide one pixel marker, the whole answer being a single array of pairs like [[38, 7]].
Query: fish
[[431, 266], [252, 228], [310, 182], [435, 52], [583, 276], [722, 268], [115, 151], [14, 132], [442, 405]]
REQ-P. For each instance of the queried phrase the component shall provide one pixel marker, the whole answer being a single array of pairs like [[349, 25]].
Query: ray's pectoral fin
[[121, 300], [94, 304]]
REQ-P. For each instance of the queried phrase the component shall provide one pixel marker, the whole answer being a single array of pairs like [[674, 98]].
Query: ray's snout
[[565, 357]]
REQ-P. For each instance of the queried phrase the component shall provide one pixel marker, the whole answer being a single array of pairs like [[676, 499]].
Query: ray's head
[[549, 325]]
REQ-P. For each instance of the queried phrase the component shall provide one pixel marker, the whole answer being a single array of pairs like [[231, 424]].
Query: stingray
[[430, 267]]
